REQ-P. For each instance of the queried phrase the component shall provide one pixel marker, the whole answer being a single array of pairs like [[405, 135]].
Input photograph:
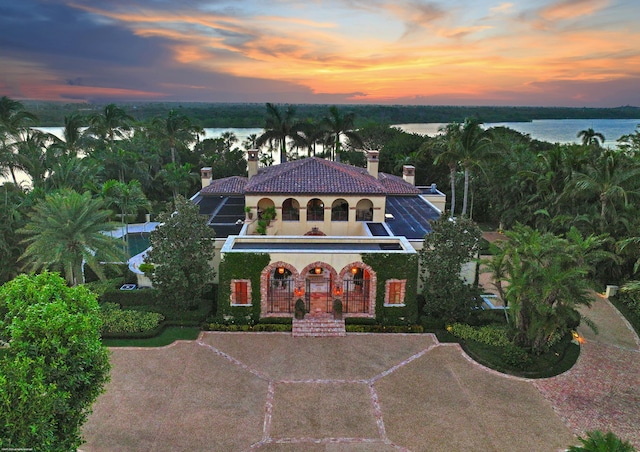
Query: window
[[240, 292], [394, 292], [364, 210], [315, 210], [290, 210], [340, 210]]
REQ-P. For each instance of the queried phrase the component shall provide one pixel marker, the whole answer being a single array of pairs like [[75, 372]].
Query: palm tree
[[128, 198], [66, 230], [14, 120], [610, 177], [474, 149], [339, 125], [448, 152], [112, 123], [591, 138], [177, 178], [546, 281], [596, 441], [175, 131], [35, 155], [72, 133], [279, 127]]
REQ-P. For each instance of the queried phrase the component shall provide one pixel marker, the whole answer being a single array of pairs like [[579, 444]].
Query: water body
[[551, 130]]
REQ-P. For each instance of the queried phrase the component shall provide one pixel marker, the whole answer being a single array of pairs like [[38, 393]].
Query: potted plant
[[337, 309], [247, 211], [299, 309]]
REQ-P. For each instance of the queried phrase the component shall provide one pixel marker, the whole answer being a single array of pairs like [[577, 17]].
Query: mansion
[[318, 230]]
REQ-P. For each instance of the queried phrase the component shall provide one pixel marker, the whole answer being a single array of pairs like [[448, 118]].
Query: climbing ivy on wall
[[241, 266], [395, 266]]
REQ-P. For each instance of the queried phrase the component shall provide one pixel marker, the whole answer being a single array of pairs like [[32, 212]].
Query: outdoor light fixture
[[298, 291], [281, 270], [354, 270], [318, 270], [337, 291]]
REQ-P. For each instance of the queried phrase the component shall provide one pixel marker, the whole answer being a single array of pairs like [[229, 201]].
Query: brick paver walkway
[[602, 391]]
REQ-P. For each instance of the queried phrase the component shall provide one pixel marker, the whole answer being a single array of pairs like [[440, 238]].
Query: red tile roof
[[226, 186], [315, 175], [396, 185]]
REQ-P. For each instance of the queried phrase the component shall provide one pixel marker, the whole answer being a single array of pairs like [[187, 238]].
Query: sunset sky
[[454, 52]]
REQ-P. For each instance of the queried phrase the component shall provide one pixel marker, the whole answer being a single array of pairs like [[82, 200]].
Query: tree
[[55, 366], [278, 127], [177, 178], [338, 125], [112, 123], [543, 278], [182, 248], [474, 145], [11, 219], [13, 121], [67, 230], [175, 131], [448, 152], [450, 245], [128, 198], [610, 177], [596, 441], [591, 138]]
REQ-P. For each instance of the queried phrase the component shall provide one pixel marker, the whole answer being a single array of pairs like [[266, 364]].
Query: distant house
[[339, 232]]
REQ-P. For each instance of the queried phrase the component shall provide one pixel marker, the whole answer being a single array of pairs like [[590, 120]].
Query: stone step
[[318, 326]]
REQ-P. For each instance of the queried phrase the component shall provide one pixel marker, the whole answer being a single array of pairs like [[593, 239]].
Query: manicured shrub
[[116, 320], [488, 334], [146, 297], [267, 327]]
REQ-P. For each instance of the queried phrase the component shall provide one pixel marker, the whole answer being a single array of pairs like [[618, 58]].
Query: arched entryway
[[279, 282], [319, 279], [357, 290]]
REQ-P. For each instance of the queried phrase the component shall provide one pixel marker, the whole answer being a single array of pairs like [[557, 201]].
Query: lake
[[551, 130]]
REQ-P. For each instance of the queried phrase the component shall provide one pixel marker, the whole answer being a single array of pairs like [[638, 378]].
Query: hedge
[[116, 320]]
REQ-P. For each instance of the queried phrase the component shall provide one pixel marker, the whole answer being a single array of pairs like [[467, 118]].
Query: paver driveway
[[363, 392]]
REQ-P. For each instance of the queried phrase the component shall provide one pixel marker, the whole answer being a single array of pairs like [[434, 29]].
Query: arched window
[[315, 210], [290, 210], [340, 210], [264, 204], [364, 210]]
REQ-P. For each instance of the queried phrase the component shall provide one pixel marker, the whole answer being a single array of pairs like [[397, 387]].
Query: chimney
[[252, 162], [372, 163], [409, 174], [205, 176]]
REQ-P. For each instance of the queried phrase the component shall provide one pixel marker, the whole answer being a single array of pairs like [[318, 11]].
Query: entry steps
[[318, 325]]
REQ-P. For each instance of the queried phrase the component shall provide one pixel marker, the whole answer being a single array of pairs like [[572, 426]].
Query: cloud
[[571, 9], [502, 8]]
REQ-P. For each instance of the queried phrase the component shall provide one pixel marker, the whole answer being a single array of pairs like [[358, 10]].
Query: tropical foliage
[[182, 249], [450, 245], [67, 230], [542, 278], [55, 365]]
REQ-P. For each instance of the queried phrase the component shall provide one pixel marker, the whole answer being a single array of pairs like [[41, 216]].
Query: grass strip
[[166, 337]]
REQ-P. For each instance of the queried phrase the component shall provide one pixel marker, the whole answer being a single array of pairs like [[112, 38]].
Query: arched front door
[[318, 288]]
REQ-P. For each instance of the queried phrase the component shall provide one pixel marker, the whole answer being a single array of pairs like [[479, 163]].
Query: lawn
[[168, 336]]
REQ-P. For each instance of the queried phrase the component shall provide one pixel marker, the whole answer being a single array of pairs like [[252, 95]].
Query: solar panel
[[411, 216]]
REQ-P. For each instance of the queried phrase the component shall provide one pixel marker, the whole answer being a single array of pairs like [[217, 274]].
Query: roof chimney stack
[[372, 163], [409, 174], [205, 176], [252, 162]]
